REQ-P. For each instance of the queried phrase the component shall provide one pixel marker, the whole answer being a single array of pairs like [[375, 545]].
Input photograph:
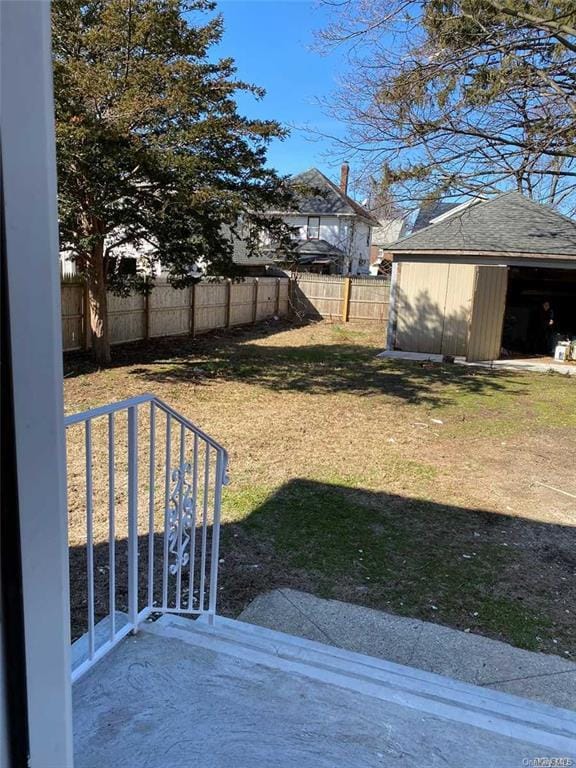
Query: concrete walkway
[[532, 365], [430, 647]]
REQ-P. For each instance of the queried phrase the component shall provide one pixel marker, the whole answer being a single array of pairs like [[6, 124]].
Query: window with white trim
[[313, 228]]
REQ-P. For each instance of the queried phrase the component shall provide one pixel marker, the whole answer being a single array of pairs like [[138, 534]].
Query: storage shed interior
[[528, 289]]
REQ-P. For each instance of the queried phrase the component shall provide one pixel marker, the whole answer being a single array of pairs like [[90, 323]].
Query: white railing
[[144, 497]]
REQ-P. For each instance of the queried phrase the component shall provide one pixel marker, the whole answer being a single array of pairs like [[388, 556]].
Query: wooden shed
[[478, 274]]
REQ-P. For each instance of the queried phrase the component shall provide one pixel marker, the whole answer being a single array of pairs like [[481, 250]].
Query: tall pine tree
[[152, 152]]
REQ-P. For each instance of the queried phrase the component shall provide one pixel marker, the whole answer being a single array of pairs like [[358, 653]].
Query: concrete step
[[102, 634], [493, 711], [432, 647]]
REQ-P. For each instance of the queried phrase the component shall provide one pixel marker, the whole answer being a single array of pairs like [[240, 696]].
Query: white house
[[388, 230], [333, 231]]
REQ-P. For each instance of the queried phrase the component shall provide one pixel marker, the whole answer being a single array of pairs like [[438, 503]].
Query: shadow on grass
[[318, 369], [156, 350], [497, 575], [163, 592], [345, 366]]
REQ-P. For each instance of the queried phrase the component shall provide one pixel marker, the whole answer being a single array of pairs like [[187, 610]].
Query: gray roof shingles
[[429, 211], [318, 248], [508, 223], [330, 200], [312, 249]]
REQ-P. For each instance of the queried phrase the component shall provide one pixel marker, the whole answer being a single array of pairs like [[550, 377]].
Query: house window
[[124, 265], [313, 228]]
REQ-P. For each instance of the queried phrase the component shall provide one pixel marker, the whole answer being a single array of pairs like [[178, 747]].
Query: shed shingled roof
[[508, 223]]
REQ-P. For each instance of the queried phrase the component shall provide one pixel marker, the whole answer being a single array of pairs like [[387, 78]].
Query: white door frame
[[33, 283]]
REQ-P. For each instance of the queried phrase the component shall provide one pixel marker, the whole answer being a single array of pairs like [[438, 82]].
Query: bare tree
[[460, 96]]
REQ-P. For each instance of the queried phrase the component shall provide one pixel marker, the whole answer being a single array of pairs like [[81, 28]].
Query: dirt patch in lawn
[[427, 490]]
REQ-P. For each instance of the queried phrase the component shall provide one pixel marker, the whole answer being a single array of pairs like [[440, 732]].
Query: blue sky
[[271, 42]]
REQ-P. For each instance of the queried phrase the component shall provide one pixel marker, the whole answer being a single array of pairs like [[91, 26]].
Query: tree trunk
[[98, 303]]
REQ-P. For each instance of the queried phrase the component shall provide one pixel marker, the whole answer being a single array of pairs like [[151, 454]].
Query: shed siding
[[488, 313], [434, 307], [458, 309]]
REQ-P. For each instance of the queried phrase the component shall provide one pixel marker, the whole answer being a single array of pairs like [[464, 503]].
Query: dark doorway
[[526, 329]]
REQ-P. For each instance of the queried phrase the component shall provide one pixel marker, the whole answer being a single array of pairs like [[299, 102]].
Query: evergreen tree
[[152, 152]]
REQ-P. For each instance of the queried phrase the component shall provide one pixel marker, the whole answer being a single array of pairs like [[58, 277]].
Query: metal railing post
[[90, 539], [133, 517], [215, 552]]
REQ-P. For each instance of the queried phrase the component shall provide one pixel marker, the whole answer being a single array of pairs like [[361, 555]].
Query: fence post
[[193, 310], [133, 517], [346, 300], [86, 327], [228, 301], [147, 309], [291, 297], [277, 306], [255, 312]]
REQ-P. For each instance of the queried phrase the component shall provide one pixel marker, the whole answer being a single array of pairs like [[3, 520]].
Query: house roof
[[429, 211], [308, 251], [318, 248], [508, 223], [329, 199]]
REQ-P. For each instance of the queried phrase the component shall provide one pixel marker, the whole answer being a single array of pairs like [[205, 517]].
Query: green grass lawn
[[413, 488], [412, 557]]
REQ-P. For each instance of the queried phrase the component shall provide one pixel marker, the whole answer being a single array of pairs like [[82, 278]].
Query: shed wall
[[434, 307]]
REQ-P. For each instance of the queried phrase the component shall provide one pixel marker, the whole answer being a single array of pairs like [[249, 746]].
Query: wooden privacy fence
[[341, 298], [168, 311]]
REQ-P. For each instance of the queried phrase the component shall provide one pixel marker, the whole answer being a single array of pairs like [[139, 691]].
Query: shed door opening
[[526, 330]]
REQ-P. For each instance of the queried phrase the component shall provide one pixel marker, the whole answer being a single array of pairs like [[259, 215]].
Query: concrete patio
[[182, 693], [431, 647], [532, 364]]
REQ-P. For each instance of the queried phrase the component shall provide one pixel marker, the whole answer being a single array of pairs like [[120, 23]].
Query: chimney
[[344, 171]]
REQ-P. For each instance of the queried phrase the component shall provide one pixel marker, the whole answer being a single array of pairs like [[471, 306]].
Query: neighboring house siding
[[360, 248], [142, 254], [388, 232], [68, 266], [329, 227], [323, 211], [349, 233]]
